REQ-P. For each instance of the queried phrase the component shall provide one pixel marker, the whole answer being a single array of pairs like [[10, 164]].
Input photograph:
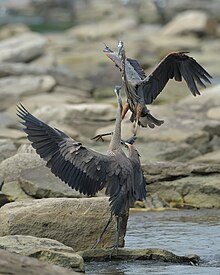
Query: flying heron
[[88, 171], [142, 89]]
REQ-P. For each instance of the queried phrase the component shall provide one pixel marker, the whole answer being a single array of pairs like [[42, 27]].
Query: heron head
[[120, 47], [107, 49], [117, 90]]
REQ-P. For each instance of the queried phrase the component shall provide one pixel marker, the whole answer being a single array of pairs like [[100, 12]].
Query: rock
[[190, 21], [43, 249], [13, 134], [23, 47], [214, 113], [13, 89], [7, 149], [85, 117], [62, 76], [153, 254], [61, 219], [213, 157], [14, 192], [6, 120], [20, 265], [11, 30], [102, 29], [11, 168], [40, 183]]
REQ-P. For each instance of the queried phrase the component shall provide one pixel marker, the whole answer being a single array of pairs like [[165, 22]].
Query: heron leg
[[124, 110], [115, 247], [138, 115], [103, 232], [99, 137]]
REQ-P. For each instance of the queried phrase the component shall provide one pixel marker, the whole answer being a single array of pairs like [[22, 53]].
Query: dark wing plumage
[[81, 168], [175, 65]]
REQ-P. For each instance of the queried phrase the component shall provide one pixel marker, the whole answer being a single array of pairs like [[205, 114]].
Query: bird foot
[[100, 137]]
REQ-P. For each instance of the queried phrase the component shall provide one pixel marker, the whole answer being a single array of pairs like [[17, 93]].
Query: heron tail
[[147, 120]]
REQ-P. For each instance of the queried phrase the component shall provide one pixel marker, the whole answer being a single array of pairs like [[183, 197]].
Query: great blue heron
[[89, 171], [142, 89]]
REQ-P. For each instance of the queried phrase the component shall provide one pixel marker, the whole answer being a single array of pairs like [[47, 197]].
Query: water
[[182, 232]]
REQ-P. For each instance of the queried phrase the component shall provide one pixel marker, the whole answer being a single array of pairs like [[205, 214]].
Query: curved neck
[[115, 142]]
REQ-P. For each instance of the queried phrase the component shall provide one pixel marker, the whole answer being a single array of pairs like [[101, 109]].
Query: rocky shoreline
[[66, 81]]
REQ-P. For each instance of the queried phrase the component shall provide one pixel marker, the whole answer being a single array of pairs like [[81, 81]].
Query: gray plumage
[[86, 170], [142, 89]]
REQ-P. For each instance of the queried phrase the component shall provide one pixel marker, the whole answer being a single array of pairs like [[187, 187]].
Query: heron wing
[[139, 180], [137, 67], [175, 65], [82, 169]]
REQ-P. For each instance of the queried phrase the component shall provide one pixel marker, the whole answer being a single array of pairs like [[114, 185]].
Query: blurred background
[[52, 61]]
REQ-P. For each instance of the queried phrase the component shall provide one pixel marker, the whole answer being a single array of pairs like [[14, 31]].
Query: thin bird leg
[[124, 110], [103, 232], [138, 115], [115, 248], [99, 137]]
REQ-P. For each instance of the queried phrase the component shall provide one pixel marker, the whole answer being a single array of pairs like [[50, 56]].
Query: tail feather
[[147, 120]]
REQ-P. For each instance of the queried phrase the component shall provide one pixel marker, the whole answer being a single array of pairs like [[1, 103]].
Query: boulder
[[190, 21], [39, 182], [11, 30], [74, 222], [13, 88], [12, 134], [6, 120], [11, 168], [22, 47], [20, 265], [43, 249], [7, 149], [14, 192]]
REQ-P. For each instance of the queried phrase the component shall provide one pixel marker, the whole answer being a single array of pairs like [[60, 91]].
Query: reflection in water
[[182, 232]]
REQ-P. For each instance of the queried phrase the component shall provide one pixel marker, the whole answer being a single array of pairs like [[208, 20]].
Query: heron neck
[[115, 142]]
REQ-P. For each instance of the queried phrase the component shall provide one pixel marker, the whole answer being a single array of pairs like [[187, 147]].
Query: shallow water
[[182, 232]]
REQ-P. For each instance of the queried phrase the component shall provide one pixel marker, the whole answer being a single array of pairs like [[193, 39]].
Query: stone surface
[[40, 183], [11, 30], [13, 88], [61, 219], [11, 168], [43, 249], [20, 265], [22, 47], [7, 149], [191, 21], [153, 254], [14, 192]]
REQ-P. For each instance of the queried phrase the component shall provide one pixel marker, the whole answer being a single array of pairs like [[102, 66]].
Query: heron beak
[[107, 49], [117, 90]]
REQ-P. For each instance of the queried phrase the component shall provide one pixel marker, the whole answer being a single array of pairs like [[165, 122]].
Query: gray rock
[[213, 157], [11, 168], [14, 192], [190, 21], [13, 88], [20, 265], [11, 30], [6, 120], [13, 134], [40, 183], [61, 219], [7, 149], [22, 48], [43, 249], [153, 254]]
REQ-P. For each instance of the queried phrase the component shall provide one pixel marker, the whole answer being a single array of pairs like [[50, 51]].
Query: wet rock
[[39, 183], [13, 88], [61, 219], [153, 254], [11, 168], [19, 265], [7, 149], [43, 249], [22, 48], [191, 21]]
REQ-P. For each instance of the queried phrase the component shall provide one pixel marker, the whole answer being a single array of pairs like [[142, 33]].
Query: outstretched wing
[[81, 168], [175, 65]]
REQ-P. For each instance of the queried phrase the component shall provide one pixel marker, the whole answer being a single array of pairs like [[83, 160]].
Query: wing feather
[[175, 65]]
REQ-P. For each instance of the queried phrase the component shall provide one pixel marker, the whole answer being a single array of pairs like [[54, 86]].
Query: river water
[[183, 232]]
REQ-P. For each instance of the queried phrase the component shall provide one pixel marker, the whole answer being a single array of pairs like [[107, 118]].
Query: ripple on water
[[182, 232]]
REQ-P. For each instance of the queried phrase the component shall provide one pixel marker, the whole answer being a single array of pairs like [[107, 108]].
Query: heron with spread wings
[[88, 171], [142, 89]]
